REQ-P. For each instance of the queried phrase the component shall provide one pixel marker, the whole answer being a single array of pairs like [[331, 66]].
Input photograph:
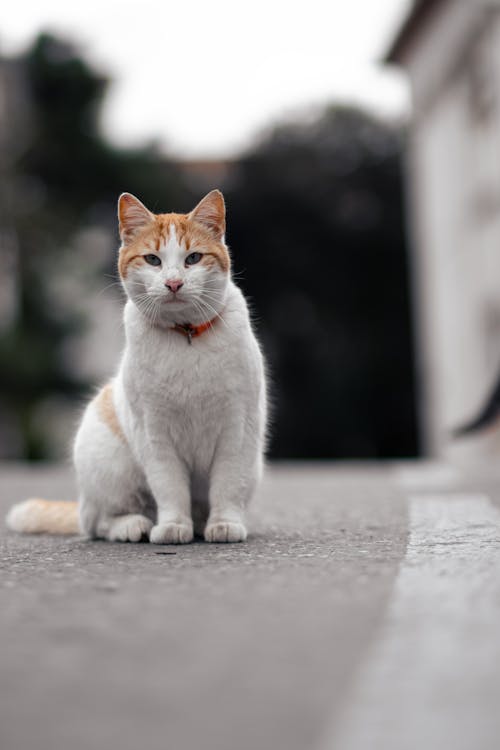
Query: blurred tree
[[317, 220], [63, 176]]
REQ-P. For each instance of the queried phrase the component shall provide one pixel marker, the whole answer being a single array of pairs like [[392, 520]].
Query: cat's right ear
[[133, 216]]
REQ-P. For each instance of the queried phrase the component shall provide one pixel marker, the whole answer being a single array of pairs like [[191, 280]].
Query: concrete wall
[[454, 172]]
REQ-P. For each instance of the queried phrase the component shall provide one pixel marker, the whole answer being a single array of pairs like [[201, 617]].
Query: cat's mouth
[[172, 299]]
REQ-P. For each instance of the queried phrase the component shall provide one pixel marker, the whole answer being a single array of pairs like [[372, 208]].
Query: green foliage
[[65, 177]]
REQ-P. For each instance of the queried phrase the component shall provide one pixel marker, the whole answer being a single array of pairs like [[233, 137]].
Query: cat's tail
[[37, 516]]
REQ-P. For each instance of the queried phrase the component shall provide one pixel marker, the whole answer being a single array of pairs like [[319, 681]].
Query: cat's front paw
[[171, 533], [225, 531], [129, 528]]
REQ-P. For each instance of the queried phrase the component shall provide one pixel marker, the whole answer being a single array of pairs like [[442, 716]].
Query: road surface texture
[[363, 613]]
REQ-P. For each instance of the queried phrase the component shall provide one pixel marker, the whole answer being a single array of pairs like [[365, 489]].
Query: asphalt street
[[363, 613]]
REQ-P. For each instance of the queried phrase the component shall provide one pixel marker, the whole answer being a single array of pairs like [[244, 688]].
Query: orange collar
[[191, 331]]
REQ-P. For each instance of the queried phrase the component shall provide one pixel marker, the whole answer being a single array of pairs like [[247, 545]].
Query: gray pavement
[[362, 613]]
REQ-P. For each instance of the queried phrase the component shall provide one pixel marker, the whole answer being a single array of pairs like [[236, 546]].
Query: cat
[[173, 445]]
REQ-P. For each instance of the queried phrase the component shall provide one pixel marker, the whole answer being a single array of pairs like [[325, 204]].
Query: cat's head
[[174, 267]]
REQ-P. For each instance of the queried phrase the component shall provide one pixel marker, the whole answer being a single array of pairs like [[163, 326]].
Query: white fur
[[193, 416], [19, 516]]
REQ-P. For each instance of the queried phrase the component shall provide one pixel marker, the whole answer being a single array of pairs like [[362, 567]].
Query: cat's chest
[[179, 379], [183, 398]]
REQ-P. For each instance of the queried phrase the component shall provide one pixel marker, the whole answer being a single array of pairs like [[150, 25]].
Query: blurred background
[[357, 147]]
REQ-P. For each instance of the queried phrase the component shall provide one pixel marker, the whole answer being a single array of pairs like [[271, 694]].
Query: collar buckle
[[190, 331]]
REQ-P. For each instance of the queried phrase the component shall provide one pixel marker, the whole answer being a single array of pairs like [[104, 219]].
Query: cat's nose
[[174, 285]]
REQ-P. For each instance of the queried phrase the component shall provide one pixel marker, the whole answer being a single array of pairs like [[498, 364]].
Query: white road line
[[432, 681], [427, 475]]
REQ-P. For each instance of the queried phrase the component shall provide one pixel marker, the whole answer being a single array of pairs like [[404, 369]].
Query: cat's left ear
[[211, 213], [133, 216]]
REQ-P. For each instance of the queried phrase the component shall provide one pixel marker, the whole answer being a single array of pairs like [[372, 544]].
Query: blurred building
[[14, 110], [451, 52]]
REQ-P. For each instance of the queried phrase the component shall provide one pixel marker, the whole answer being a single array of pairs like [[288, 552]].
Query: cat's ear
[[211, 213], [133, 216]]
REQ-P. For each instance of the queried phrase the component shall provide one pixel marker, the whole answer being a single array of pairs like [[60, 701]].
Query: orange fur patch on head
[[133, 216], [202, 229], [216, 256], [211, 214], [107, 411]]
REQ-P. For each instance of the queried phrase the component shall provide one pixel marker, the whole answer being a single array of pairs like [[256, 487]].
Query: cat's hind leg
[[114, 503]]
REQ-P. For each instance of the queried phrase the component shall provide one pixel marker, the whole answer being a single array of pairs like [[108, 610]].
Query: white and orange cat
[[176, 439]]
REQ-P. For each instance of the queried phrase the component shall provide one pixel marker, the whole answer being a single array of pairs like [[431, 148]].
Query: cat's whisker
[[207, 288], [239, 274], [199, 310], [146, 305], [211, 310], [109, 286], [209, 300], [213, 292], [216, 298]]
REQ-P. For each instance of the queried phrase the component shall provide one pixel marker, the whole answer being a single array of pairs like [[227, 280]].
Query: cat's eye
[[153, 260], [193, 258]]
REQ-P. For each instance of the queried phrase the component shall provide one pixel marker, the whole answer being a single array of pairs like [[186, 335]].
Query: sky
[[204, 77]]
